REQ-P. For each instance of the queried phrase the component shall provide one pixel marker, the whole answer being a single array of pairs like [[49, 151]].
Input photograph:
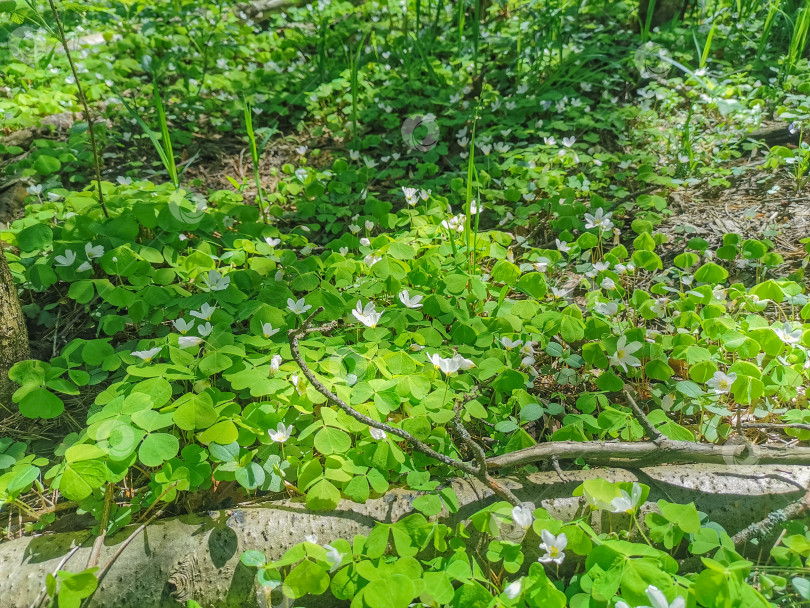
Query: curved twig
[[479, 470]]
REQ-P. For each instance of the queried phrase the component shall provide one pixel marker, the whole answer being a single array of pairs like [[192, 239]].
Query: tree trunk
[[663, 12], [197, 556], [13, 335]]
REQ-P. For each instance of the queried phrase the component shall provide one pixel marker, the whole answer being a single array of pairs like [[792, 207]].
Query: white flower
[[146, 355], [268, 331], [368, 316], [377, 434], [568, 141], [281, 434], [344, 251], [369, 225], [275, 363], [311, 538], [215, 281], [446, 365], [627, 503], [34, 190], [205, 330], [298, 307], [554, 546], [299, 384], [271, 241], [606, 308], [365, 242], [541, 265], [563, 246], [182, 325], [509, 344], [523, 515], [354, 228], [600, 220], [787, 334], [425, 194], [84, 266], [721, 383], [513, 589], [186, 341], [370, 260], [205, 312], [410, 302], [301, 150], [659, 600], [67, 259], [559, 293], [93, 252], [607, 283], [624, 354], [463, 363], [333, 556]]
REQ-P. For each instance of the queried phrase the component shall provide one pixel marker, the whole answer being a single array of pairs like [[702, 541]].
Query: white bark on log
[[197, 556]]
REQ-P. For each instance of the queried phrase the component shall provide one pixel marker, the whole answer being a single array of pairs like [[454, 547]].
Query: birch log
[[197, 556]]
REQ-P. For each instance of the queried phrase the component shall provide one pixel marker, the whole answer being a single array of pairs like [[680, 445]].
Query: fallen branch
[[639, 454], [659, 450]]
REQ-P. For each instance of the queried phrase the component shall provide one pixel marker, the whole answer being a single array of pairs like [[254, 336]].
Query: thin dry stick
[[654, 433], [83, 100], [43, 593], [776, 425], [481, 459], [466, 467], [105, 518]]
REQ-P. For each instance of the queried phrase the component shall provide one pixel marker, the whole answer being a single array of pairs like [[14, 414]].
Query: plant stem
[[83, 100]]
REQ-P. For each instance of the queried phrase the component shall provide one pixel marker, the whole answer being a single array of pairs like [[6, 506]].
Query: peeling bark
[[197, 556], [13, 335]]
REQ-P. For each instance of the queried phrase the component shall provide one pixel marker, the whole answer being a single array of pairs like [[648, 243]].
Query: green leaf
[[533, 284], [82, 477], [747, 390], [253, 558], [45, 165], [195, 413], [332, 441], [307, 578], [505, 272], [429, 504], [711, 273], [224, 432], [41, 403], [684, 516], [250, 476], [35, 238], [395, 591], [157, 448], [214, 363], [323, 496]]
